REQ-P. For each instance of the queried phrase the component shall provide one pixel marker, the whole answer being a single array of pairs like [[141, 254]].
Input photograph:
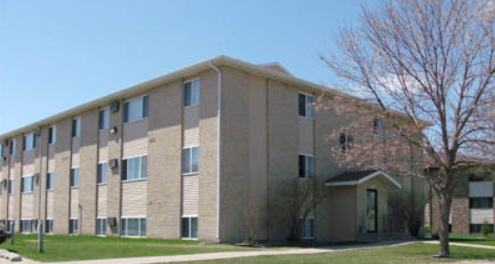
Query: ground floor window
[[308, 228], [26, 226], [133, 227], [189, 227], [476, 228], [73, 227], [371, 211], [101, 226], [10, 226], [49, 226]]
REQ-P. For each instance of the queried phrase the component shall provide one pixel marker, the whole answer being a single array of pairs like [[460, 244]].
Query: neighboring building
[[185, 155], [472, 202]]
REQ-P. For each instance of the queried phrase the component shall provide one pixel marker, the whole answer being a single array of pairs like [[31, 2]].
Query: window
[[133, 227], [10, 225], [345, 142], [74, 177], [306, 166], [11, 186], [52, 134], [73, 227], [308, 228], [481, 202], [134, 168], [190, 160], [27, 184], [306, 105], [49, 226], [476, 228], [371, 211], [28, 142], [76, 127], [1, 150], [104, 119], [102, 172], [101, 226], [378, 128], [12, 146], [26, 226], [136, 109], [50, 181], [189, 227], [191, 93]]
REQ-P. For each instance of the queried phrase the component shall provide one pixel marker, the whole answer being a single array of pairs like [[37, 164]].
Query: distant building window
[[102, 173], [52, 134], [476, 228], [134, 168], [308, 228], [191, 92], [101, 226], [49, 226], [378, 128], [306, 166], [26, 226], [104, 119], [306, 105], [27, 184], [76, 127], [481, 202], [73, 226], [345, 141], [189, 227], [74, 177], [133, 227], [190, 160], [10, 190], [29, 142], [12, 146], [50, 181], [136, 109]]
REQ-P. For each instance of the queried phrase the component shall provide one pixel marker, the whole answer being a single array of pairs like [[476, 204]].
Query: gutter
[[219, 112]]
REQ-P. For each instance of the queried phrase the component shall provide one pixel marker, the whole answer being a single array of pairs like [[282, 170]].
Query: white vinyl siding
[[481, 189], [27, 206], [74, 203], [134, 198], [190, 192]]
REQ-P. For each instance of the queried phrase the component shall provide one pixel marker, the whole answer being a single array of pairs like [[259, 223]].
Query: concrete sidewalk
[[241, 254]]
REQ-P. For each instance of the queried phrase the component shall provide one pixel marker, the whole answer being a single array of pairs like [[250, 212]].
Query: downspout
[[219, 112]]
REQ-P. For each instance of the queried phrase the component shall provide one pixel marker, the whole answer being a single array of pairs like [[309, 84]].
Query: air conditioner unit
[[113, 163], [38, 132], [112, 221], [114, 107]]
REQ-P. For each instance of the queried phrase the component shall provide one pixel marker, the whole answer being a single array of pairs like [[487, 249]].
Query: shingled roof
[[357, 177]]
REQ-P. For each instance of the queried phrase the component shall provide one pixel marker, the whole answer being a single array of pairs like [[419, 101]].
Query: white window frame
[[11, 186], [126, 218], [189, 228], [29, 141], [309, 111], [23, 191], [141, 115], [106, 118], [190, 165], [347, 143], [103, 227], [53, 135], [21, 227], [46, 226], [71, 226], [98, 172], [140, 178], [308, 174], [76, 132], [306, 222], [378, 126], [53, 180], [70, 178], [195, 93]]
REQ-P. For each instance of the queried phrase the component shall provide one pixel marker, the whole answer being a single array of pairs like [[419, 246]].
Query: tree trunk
[[445, 206]]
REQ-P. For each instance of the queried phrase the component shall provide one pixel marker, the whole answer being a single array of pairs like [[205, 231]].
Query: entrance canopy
[[357, 177]]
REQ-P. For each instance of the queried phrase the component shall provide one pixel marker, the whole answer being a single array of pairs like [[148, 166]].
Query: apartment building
[[185, 155]]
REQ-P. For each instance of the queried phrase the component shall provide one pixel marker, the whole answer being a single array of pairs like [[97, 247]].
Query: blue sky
[[57, 54]]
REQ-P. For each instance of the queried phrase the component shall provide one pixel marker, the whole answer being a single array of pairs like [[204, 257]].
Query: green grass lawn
[[62, 248], [474, 239], [416, 253]]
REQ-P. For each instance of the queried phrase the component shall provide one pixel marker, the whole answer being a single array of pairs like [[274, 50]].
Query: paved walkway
[[240, 254]]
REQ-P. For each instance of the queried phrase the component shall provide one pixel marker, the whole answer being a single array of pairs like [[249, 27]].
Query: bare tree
[[428, 67]]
